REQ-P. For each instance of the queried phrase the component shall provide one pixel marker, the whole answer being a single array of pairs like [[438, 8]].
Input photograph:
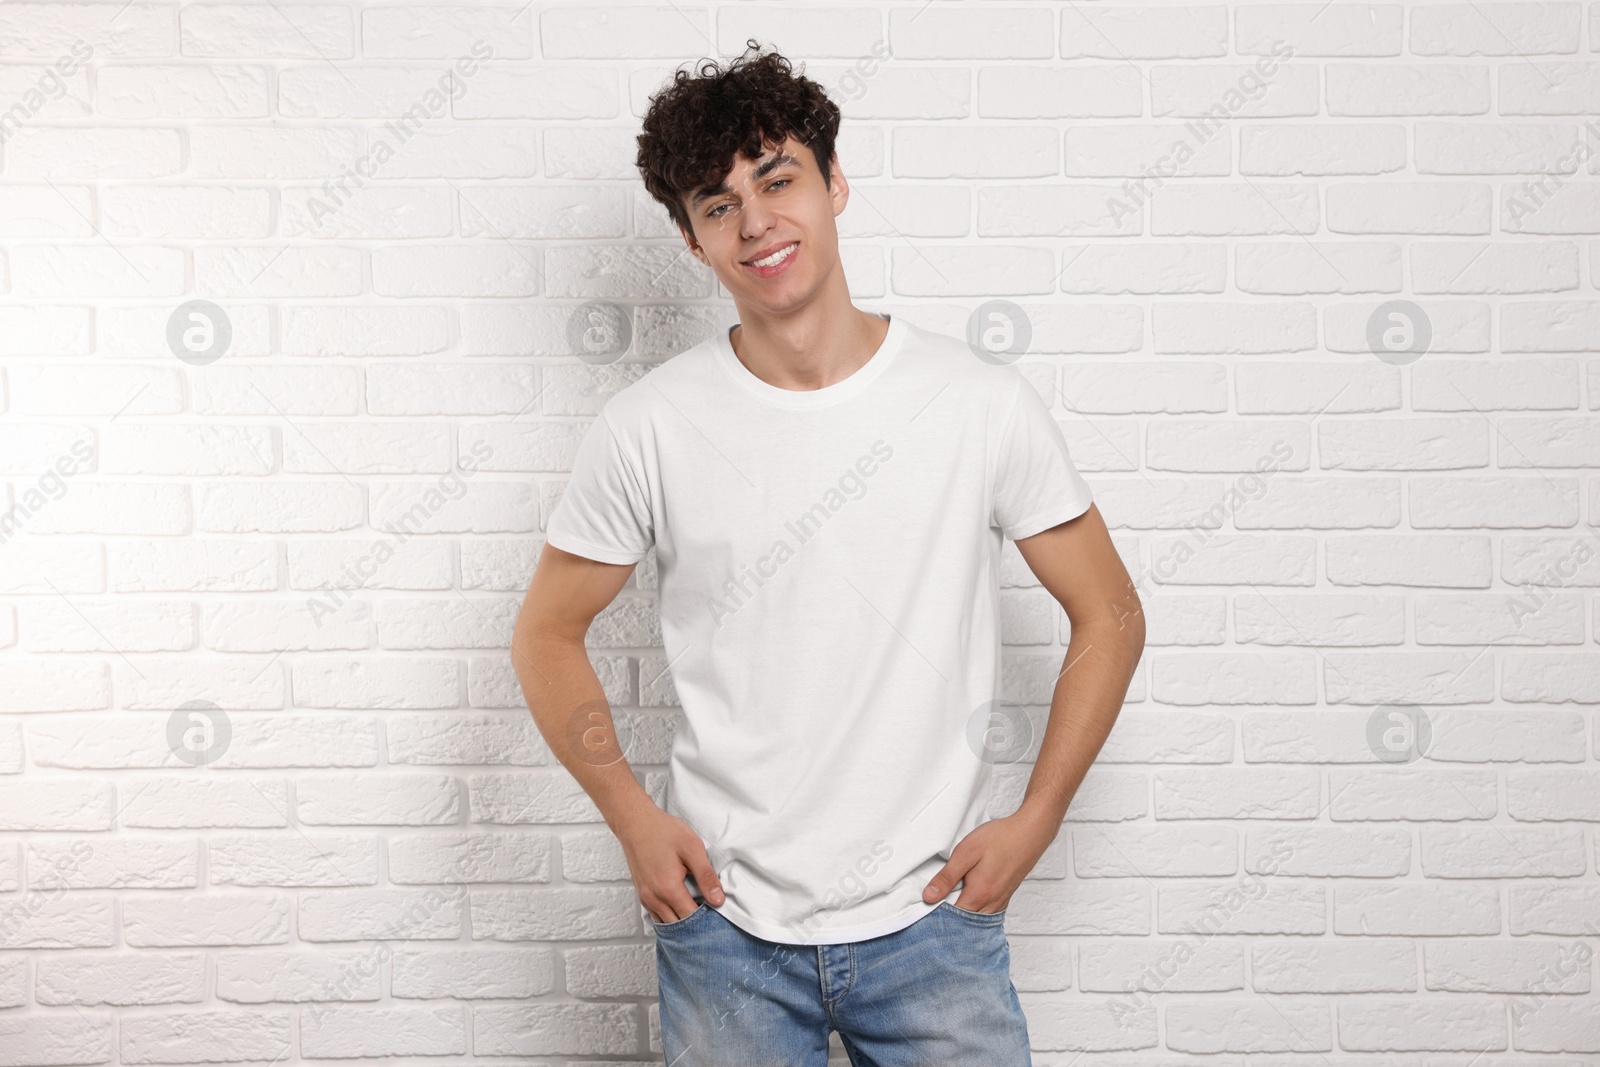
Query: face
[[764, 206]]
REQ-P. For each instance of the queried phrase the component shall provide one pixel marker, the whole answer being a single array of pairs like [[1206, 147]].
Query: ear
[[693, 245], [838, 186]]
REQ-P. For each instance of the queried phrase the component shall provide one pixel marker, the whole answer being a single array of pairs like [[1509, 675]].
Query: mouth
[[775, 262]]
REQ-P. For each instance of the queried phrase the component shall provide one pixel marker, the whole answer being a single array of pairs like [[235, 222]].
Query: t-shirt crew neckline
[[778, 396]]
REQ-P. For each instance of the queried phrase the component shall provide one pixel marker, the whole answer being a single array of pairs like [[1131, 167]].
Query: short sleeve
[[1036, 484], [604, 512]]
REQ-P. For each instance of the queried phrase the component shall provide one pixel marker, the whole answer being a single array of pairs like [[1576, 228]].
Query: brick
[[450, 389], [288, 31], [443, 31], [275, 389], [189, 450], [1516, 29], [1357, 30], [383, 562], [83, 152], [466, 739], [435, 913], [472, 974], [183, 802], [497, 565], [439, 859], [40, 211], [432, 1031], [49, 30], [375, 683], [80, 685], [279, 507], [561, 1029], [216, 919], [199, 565], [125, 980], [297, 860], [198, 1036], [66, 1039], [1145, 33], [403, 800], [187, 211], [264, 977], [149, 91]]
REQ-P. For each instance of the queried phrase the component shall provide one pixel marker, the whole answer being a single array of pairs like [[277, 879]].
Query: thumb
[[941, 884], [705, 877]]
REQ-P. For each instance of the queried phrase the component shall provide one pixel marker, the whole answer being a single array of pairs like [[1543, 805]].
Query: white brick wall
[[298, 563]]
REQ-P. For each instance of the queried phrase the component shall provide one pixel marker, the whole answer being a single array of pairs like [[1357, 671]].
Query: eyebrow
[[779, 160]]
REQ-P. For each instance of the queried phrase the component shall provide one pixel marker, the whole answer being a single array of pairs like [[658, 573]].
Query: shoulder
[[642, 389], [949, 358]]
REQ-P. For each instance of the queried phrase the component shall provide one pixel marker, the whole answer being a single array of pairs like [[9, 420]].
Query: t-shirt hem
[[601, 554], [1045, 519], [832, 936]]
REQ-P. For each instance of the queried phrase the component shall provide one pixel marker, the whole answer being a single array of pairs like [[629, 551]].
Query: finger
[[675, 900], [976, 897], [670, 911], [705, 876], [944, 881]]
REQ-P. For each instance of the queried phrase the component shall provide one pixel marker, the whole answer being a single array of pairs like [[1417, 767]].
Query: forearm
[[1093, 683], [570, 709]]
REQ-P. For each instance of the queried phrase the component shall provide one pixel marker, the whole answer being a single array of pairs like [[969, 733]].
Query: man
[[827, 492]]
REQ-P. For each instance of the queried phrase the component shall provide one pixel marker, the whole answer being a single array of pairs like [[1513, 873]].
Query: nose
[[754, 217]]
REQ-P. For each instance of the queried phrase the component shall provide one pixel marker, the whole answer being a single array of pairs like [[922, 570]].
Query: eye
[[780, 181], [714, 212]]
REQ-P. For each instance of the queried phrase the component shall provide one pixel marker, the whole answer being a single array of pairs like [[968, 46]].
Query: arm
[[1078, 565], [569, 707]]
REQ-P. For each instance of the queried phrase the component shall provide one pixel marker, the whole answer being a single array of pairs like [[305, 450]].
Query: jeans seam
[[850, 977], [989, 915], [677, 922]]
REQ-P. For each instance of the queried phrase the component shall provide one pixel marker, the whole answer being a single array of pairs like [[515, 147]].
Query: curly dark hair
[[697, 123]]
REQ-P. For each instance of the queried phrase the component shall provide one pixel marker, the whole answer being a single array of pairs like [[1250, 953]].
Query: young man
[[827, 492]]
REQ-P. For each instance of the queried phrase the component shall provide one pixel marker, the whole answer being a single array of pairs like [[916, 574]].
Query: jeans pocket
[[677, 923], [989, 917]]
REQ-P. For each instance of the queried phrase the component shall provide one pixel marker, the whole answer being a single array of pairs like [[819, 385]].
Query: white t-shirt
[[829, 593]]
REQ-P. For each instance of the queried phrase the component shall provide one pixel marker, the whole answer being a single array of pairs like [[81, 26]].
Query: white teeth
[[776, 257]]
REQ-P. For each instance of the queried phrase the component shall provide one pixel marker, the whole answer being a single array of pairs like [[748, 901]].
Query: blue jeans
[[937, 993]]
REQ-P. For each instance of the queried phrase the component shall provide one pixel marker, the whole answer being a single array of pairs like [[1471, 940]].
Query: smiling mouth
[[777, 257]]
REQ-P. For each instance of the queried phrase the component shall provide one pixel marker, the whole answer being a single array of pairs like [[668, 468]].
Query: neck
[[811, 353]]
